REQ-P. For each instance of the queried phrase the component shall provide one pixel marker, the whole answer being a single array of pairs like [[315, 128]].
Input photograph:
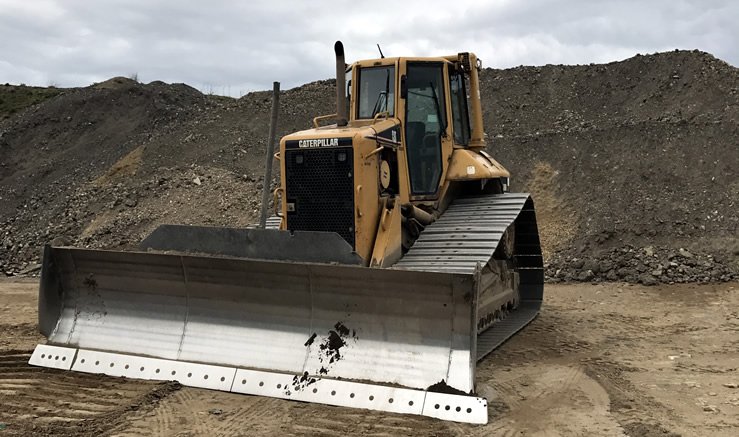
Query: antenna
[[381, 55]]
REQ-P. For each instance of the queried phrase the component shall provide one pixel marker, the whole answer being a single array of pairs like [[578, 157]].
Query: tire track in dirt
[[588, 403], [162, 419], [251, 414], [206, 412], [39, 401], [188, 406], [560, 393], [312, 419], [546, 338], [635, 412], [515, 399]]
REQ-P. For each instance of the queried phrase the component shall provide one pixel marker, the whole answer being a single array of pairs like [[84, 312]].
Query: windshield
[[376, 91]]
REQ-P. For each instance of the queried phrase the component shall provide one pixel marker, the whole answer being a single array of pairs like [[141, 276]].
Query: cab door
[[426, 127]]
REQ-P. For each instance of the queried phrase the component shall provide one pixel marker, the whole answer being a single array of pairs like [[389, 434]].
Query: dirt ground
[[601, 360]]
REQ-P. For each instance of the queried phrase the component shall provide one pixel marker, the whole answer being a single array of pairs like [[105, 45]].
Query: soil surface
[[602, 360]]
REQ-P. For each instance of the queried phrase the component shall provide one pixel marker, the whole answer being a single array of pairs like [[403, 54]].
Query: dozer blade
[[333, 334]]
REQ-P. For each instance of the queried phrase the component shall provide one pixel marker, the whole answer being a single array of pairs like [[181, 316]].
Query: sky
[[235, 47]]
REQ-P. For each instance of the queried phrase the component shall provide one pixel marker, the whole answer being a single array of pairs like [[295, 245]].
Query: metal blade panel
[[402, 327]]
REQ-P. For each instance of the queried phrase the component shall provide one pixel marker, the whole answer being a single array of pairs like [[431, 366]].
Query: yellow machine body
[[452, 135], [396, 260]]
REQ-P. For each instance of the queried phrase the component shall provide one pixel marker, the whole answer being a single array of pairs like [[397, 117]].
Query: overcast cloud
[[231, 47]]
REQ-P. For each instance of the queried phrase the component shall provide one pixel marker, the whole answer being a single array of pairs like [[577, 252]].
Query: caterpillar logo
[[316, 143], [319, 142]]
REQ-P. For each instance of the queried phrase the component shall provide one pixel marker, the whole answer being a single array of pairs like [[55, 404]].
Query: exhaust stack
[[341, 111]]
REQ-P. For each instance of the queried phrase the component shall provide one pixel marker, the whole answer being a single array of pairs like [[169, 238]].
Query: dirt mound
[[52, 150], [621, 156], [104, 165], [636, 153], [55, 146]]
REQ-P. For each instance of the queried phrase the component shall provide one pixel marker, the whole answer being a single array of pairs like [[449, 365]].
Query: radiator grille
[[320, 185]]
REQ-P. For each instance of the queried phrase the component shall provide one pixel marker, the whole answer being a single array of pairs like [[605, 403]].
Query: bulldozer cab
[[428, 98], [408, 137]]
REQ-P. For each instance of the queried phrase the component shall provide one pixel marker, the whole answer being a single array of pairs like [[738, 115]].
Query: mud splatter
[[341, 329], [443, 387], [90, 300], [90, 282], [329, 352], [300, 382], [311, 340], [330, 348]]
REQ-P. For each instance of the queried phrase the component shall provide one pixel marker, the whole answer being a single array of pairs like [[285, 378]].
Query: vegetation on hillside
[[14, 98]]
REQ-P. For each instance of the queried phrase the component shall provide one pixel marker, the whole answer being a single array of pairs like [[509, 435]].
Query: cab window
[[460, 115], [349, 89], [425, 125], [376, 91]]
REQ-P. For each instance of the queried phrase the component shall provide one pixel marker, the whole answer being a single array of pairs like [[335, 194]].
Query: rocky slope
[[627, 155], [629, 162]]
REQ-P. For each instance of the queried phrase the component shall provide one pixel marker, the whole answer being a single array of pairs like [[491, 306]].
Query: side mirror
[[403, 87]]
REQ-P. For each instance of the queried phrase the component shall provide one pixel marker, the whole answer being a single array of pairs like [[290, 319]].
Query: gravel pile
[[120, 213], [625, 155], [648, 265], [632, 164]]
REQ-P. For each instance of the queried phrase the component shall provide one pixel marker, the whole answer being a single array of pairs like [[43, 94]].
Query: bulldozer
[[396, 259]]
